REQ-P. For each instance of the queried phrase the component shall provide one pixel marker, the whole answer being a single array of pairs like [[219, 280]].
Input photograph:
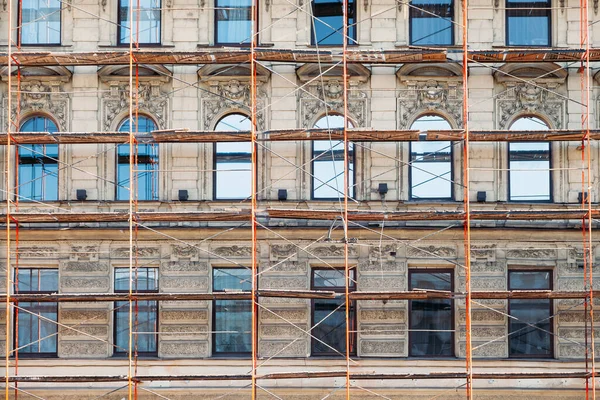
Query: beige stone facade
[[95, 99]]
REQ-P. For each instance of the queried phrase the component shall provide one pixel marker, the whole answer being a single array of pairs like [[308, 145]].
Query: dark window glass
[[527, 23], [328, 23], [233, 161], [146, 175], [431, 321], [530, 328], [233, 21], [40, 22], [328, 162], [38, 164], [329, 316], [145, 317], [431, 163], [146, 21], [529, 165], [232, 318], [431, 22], [37, 333]]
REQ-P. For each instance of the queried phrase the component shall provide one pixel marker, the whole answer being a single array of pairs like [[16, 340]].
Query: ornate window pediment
[[531, 89], [42, 90], [229, 92], [151, 96], [325, 92], [430, 89]]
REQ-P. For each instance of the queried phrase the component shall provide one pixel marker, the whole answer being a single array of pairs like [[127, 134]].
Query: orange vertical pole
[[253, 119], [467, 206], [130, 388]]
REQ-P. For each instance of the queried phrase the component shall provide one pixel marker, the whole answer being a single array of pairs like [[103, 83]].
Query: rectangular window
[[431, 170], [530, 325], [38, 172], [232, 324], [37, 335], [146, 175], [233, 170], [328, 23], [145, 316], [328, 169], [329, 316], [431, 321], [431, 22], [40, 22], [528, 22], [529, 172], [146, 21], [233, 22]]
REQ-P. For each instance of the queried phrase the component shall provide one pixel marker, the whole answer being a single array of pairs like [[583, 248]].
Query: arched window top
[[39, 123], [332, 121], [234, 122], [431, 122], [144, 124], [529, 123]]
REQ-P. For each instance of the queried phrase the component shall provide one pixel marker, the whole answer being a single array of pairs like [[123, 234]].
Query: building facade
[[173, 337]]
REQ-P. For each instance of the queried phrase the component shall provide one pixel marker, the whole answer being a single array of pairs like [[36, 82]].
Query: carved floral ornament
[[430, 89], [534, 89], [149, 95]]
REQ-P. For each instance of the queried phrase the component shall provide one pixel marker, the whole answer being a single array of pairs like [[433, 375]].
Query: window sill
[[230, 45], [141, 46], [530, 47]]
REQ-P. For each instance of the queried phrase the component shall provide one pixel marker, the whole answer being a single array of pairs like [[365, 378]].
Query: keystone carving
[[422, 97], [149, 98], [329, 95], [230, 96], [519, 98], [43, 96]]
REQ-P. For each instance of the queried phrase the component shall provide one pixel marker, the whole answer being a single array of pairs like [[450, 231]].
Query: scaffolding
[[252, 214]]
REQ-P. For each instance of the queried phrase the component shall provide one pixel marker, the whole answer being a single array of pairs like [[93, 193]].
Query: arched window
[[233, 161], [146, 175], [328, 162], [38, 164], [431, 22], [529, 164], [431, 163]]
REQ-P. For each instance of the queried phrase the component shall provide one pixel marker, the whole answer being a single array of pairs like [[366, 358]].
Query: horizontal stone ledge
[[302, 375]]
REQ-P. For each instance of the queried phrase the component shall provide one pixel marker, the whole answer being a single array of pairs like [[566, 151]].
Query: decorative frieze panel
[[143, 252], [431, 251], [332, 251], [519, 98], [531, 253], [231, 96], [233, 251], [42, 96], [149, 98], [84, 252], [430, 96], [328, 96], [184, 252], [47, 252], [284, 252]]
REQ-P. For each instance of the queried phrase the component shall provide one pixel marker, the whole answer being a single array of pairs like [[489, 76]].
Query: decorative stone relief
[[484, 252], [231, 95], [431, 251], [422, 97], [333, 251], [284, 251], [233, 251], [84, 252], [387, 252], [329, 95], [519, 98], [149, 97], [38, 252], [185, 252], [531, 253], [123, 252], [46, 96]]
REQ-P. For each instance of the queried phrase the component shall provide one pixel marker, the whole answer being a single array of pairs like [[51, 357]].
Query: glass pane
[[36, 334], [431, 22], [528, 23], [233, 325], [530, 280], [332, 278], [145, 326], [145, 279], [232, 279], [529, 165], [328, 24], [147, 163], [431, 321], [40, 22], [37, 280], [146, 21], [233, 20], [431, 162], [233, 161], [329, 321], [526, 340]]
